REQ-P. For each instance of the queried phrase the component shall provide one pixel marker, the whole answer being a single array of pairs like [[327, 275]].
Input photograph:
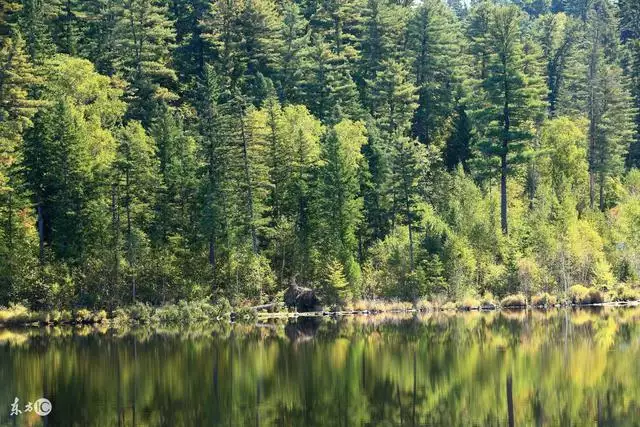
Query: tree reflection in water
[[508, 368]]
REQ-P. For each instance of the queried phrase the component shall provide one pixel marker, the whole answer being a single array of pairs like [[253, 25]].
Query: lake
[[557, 367]]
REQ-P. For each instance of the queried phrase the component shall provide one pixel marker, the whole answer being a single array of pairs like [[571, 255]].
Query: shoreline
[[248, 315]]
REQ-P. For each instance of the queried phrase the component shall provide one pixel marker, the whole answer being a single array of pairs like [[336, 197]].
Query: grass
[[378, 305], [579, 294]]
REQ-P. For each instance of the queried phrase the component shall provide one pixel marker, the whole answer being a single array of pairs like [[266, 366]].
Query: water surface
[[529, 368]]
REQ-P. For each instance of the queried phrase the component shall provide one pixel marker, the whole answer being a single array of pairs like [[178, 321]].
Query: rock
[[303, 299]]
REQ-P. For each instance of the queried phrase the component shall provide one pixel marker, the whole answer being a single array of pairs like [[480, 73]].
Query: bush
[[140, 313], [424, 304], [100, 317], [448, 306], [514, 301], [469, 303], [83, 316], [624, 293], [17, 314], [579, 294], [488, 302], [245, 315], [543, 300]]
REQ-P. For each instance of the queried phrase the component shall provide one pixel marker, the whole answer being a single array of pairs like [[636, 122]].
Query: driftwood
[[302, 299]]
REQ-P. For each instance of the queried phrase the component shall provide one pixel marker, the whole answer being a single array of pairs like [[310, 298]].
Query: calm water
[[554, 368]]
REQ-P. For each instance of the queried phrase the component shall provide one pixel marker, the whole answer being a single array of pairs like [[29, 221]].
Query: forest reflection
[[557, 367]]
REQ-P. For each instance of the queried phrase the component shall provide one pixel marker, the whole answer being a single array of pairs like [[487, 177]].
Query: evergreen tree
[[34, 20], [101, 43], [630, 35], [409, 165], [558, 36], [17, 77], [329, 89], [436, 53], [145, 38], [340, 195], [383, 38], [512, 97], [295, 39], [135, 179]]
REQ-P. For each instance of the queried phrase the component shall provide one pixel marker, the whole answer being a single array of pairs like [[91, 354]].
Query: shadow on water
[[553, 367]]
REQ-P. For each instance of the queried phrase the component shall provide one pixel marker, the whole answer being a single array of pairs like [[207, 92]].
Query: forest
[[169, 150]]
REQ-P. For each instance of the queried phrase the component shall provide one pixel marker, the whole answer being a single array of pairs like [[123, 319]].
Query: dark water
[[526, 368]]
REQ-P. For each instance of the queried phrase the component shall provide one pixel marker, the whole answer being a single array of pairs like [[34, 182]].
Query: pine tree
[[328, 87], [177, 210], [340, 194], [68, 26], [101, 43], [383, 38], [17, 77], [136, 177], [216, 191], [602, 91], [145, 37], [513, 97], [68, 155], [260, 26], [558, 36], [630, 35], [34, 20], [191, 52], [295, 39], [393, 98], [408, 165], [436, 52]]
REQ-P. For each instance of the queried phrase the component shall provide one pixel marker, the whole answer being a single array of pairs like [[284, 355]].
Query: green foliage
[[579, 294], [513, 301], [155, 151]]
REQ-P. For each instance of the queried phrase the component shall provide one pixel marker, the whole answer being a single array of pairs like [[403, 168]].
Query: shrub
[[625, 293], [83, 316], [543, 300], [140, 313], [424, 304], [579, 294], [448, 306], [16, 315], [99, 317], [488, 302], [514, 301], [469, 303], [245, 315]]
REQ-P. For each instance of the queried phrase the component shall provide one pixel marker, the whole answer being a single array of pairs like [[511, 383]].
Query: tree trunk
[[601, 184], [592, 122], [503, 158], [247, 176], [129, 234], [40, 230], [503, 191]]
